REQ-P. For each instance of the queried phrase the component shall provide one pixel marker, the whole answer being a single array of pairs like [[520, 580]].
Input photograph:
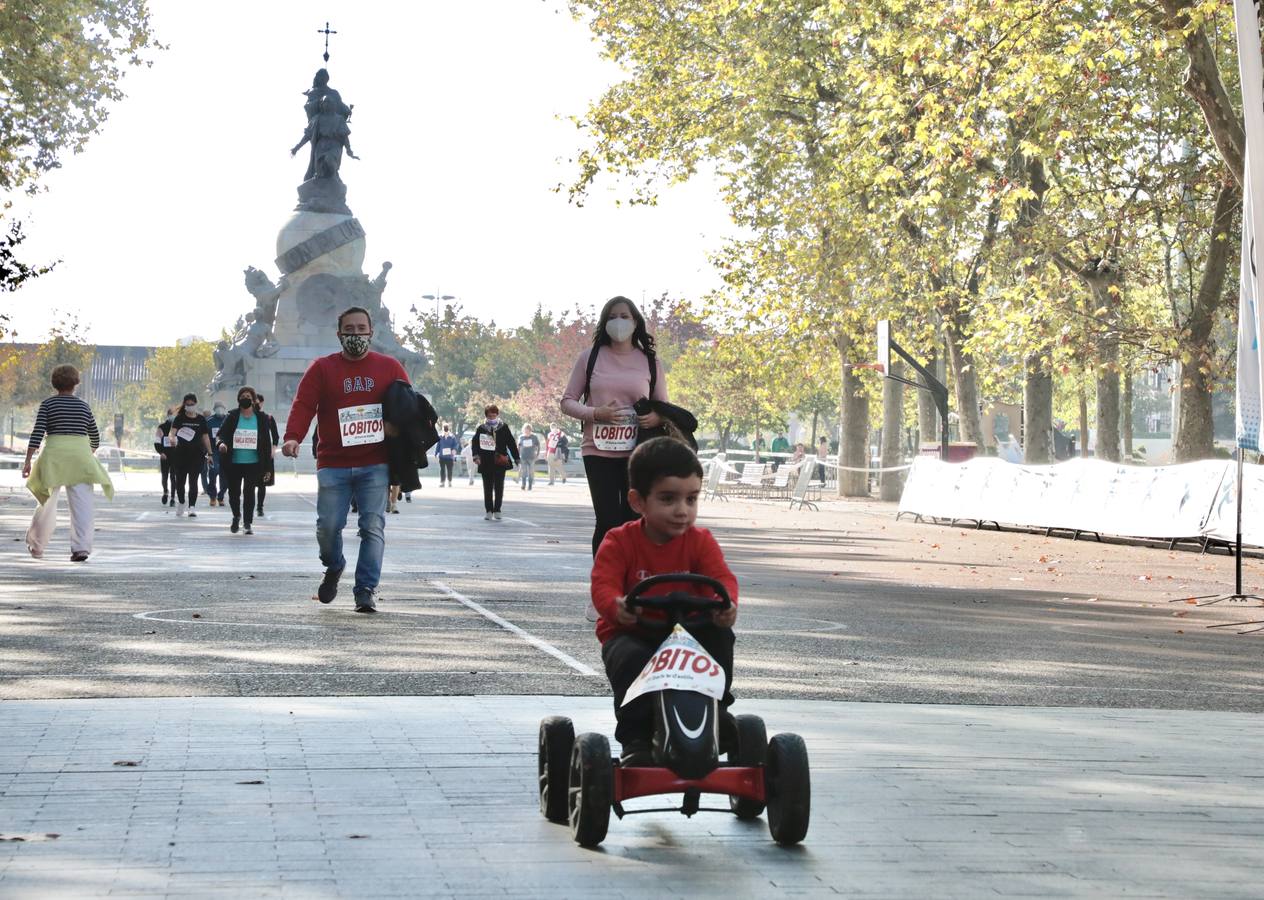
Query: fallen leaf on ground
[[197, 615], [1191, 600], [1179, 631], [126, 762], [357, 837], [1144, 578], [1182, 614], [256, 781]]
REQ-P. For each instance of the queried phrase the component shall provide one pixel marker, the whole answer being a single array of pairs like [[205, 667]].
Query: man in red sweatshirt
[[344, 393], [665, 479]]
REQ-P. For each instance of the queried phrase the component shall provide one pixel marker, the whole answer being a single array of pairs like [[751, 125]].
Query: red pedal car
[[580, 782]]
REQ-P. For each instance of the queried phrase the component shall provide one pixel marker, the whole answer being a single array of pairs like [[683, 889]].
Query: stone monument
[[320, 254]]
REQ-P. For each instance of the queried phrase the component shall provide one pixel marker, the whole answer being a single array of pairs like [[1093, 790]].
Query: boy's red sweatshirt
[[345, 397], [627, 556]]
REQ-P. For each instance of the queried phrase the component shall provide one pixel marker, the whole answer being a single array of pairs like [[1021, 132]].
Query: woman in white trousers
[[68, 432]]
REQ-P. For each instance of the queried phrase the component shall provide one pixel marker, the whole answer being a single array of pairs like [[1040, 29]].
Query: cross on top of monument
[[326, 32]]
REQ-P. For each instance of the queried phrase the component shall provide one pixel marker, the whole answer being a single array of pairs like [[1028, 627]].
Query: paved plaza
[[986, 713]]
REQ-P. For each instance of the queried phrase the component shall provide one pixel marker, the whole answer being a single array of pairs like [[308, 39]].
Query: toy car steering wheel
[[679, 602]]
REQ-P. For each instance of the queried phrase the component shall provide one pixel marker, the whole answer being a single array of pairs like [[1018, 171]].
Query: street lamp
[[437, 298]]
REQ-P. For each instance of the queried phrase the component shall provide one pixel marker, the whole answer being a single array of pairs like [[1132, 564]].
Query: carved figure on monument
[[265, 293], [230, 367]]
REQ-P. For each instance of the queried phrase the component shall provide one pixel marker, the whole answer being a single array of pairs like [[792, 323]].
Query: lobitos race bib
[[245, 440], [487, 442], [680, 664], [186, 433], [361, 425], [617, 436]]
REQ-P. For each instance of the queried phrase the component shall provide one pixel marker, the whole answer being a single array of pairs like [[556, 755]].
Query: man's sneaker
[[496, 515], [248, 529], [364, 602], [235, 526], [328, 586], [259, 513], [637, 753], [79, 556], [180, 510], [487, 516], [164, 499]]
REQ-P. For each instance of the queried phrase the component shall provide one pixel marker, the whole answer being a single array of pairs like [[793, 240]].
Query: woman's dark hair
[[247, 389], [187, 397], [491, 410], [64, 377], [660, 457], [640, 338]]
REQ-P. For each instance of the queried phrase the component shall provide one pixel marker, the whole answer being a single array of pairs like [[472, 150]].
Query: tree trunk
[[1038, 410], [892, 432], [1125, 416], [1194, 437], [853, 446], [1104, 285], [1083, 422], [815, 416], [927, 414], [724, 438], [963, 378]]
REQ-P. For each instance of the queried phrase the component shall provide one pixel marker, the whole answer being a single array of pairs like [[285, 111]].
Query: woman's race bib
[[446, 453], [186, 433], [245, 439], [487, 442], [618, 437], [361, 425]]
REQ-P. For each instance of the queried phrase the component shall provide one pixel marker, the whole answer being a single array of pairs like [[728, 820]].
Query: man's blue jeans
[[368, 486]]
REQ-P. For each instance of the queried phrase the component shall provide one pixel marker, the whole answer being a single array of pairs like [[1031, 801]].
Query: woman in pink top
[[624, 369]]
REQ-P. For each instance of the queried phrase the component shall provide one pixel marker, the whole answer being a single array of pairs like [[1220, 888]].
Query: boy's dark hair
[[660, 457]]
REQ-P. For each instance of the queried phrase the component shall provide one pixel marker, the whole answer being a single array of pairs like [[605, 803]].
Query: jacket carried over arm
[[413, 420]]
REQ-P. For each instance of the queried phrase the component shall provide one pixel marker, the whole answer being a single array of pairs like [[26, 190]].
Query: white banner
[[1162, 502], [1251, 73]]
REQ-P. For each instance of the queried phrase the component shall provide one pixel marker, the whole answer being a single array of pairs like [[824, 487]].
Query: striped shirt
[[64, 414]]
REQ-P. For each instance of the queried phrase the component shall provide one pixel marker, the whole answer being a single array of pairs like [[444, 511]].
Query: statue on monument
[[328, 134]]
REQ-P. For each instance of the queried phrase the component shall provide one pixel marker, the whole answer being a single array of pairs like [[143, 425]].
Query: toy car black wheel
[[788, 787], [752, 747], [557, 736], [591, 789]]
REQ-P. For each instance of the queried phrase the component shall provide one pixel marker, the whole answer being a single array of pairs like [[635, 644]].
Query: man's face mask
[[355, 344]]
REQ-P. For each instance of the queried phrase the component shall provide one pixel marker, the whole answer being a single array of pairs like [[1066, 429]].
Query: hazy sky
[[457, 108]]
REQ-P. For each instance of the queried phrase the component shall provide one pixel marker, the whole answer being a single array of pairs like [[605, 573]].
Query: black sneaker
[[364, 603], [236, 525], [328, 586], [637, 753], [259, 513], [248, 529], [164, 499], [79, 556]]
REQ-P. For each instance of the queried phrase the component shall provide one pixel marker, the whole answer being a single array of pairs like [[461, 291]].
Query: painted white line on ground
[[510, 626], [155, 616], [523, 521]]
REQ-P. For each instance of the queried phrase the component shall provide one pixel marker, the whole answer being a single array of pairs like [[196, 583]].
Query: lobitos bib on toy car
[[679, 664]]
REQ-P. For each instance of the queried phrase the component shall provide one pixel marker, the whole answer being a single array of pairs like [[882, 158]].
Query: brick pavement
[[434, 796]]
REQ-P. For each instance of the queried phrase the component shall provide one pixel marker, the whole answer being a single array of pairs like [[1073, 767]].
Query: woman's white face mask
[[620, 329]]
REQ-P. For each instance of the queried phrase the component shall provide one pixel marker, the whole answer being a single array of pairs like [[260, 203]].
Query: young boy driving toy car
[[665, 479]]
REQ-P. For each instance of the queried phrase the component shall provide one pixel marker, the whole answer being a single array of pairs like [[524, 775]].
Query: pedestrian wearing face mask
[[620, 369], [494, 447], [344, 393], [191, 452], [164, 444], [448, 448], [271, 425], [245, 447], [214, 473], [529, 447]]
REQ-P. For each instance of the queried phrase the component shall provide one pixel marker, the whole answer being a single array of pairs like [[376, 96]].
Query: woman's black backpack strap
[[592, 364]]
